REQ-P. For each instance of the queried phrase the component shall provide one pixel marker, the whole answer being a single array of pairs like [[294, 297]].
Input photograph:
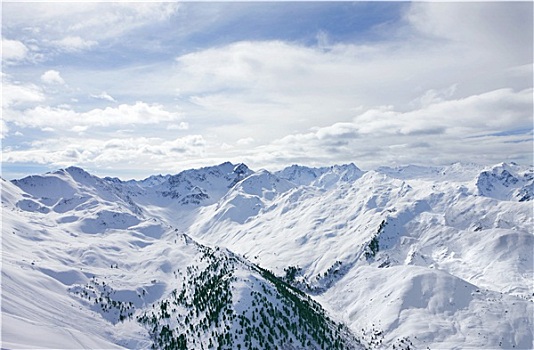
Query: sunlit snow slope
[[83, 266], [408, 257]]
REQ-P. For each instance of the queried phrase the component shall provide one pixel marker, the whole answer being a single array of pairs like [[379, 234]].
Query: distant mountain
[[320, 177], [206, 185], [302, 258], [507, 182]]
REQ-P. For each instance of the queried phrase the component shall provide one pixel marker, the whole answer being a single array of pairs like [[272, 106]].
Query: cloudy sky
[[133, 89]]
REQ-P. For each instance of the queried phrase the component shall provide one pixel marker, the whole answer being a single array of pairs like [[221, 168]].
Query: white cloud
[[245, 141], [498, 26], [14, 94], [74, 43], [3, 129], [79, 128], [52, 77], [180, 126], [103, 96], [295, 87], [124, 114], [117, 18], [433, 96], [434, 91], [438, 134], [323, 41], [87, 23], [13, 50], [307, 87], [153, 153]]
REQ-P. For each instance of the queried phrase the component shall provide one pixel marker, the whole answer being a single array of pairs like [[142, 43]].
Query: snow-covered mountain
[[302, 258], [507, 182], [320, 177]]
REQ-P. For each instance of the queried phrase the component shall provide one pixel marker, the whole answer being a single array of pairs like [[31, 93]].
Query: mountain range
[[302, 258]]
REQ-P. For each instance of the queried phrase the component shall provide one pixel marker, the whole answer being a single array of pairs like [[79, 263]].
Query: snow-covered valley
[[302, 258]]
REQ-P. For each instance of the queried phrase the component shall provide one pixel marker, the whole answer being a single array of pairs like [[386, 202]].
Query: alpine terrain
[[225, 257]]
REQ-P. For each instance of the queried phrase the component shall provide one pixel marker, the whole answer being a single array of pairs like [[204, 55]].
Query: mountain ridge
[[335, 233]]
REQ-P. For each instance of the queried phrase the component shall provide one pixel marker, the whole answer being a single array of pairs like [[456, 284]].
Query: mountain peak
[[75, 169], [506, 182], [323, 177], [241, 169]]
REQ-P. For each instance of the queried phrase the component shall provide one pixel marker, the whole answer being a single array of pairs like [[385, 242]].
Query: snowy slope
[[203, 186], [419, 307], [320, 177], [433, 218], [507, 182], [412, 256], [123, 280]]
